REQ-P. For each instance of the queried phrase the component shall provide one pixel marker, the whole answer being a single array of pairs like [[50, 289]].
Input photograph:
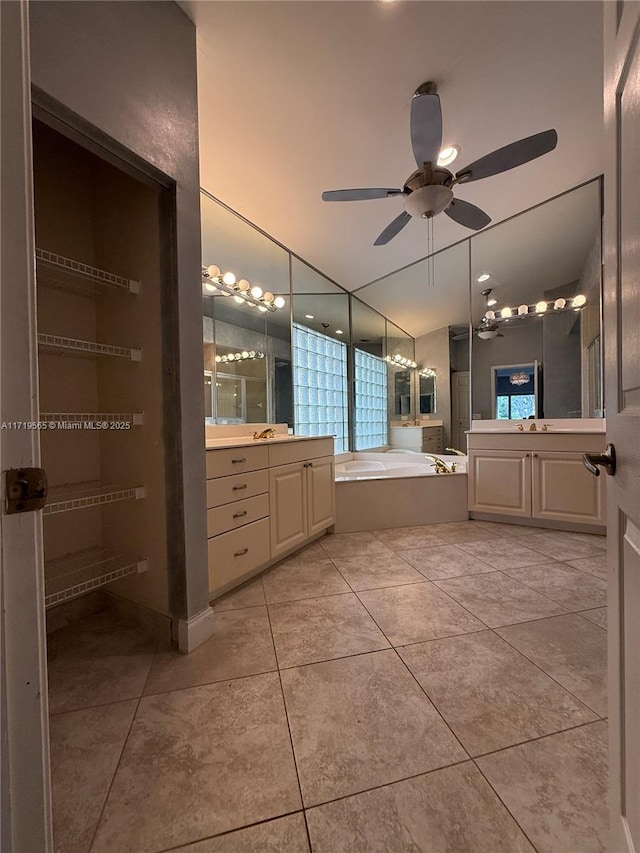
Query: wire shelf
[[76, 574], [58, 345], [71, 496], [62, 273], [77, 420]]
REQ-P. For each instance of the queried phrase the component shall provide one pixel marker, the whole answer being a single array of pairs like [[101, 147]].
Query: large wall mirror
[[247, 341], [536, 295], [320, 354]]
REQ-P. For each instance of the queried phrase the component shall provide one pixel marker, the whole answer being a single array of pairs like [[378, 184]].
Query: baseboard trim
[[191, 633]]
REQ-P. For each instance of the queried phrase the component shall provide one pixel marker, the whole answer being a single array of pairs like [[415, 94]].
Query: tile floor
[[437, 689]]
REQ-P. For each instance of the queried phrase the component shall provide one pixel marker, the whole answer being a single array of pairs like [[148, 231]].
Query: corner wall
[[129, 68]]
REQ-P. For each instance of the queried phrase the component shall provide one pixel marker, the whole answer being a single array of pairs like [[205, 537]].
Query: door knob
[[606, 459]]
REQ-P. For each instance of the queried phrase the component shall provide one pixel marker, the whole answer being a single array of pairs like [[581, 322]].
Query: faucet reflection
[[441, 466], [266, 433]]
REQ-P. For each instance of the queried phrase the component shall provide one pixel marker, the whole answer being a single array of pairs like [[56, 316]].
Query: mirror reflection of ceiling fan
[[429, 190], [485, 331]]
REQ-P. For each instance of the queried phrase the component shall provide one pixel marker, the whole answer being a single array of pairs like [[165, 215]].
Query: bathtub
[[380, 490]]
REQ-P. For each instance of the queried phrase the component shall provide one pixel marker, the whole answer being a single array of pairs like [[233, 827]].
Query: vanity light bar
[[239, 356], [427, 371], [538, 309], [400, 360], [242, 291]]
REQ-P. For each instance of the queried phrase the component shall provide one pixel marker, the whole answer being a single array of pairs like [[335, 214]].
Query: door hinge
[[25, 489]]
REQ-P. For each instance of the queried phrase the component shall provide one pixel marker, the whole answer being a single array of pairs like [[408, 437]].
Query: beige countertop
[[250, 441]]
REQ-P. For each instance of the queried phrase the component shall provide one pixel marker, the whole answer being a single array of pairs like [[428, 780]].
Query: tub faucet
[[266, 433], [455, 451], [440, 466]]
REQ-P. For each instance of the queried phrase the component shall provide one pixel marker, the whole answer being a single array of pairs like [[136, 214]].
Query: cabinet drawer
[[220, 519], [299, 451], [235, 460], [224, 490], [235, 554]]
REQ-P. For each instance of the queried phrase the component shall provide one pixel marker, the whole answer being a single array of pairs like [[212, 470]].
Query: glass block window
[[320, 383], [370, 401]]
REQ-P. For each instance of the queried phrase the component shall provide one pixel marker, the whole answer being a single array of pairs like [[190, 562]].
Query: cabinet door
[[500, 482], [321, 490], [288, 507], [564, 490]]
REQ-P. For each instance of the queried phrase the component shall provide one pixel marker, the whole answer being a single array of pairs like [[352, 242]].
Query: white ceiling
[[299, 97]]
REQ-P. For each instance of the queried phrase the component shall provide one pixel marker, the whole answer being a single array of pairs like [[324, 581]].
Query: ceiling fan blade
[[426, 125], [463, 336], [393, 228], [359, 195], [510, 156], [467, 214]]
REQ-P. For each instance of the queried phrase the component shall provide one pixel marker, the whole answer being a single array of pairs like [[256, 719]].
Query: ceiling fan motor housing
[[428, 201]]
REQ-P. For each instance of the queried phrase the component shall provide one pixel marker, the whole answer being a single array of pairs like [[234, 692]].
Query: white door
[[460, 409], [622, 401], [24, 749]]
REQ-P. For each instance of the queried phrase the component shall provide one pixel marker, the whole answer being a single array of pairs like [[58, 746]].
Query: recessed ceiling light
[[339, 332], [309, 316], [484, 277], [448, 155]]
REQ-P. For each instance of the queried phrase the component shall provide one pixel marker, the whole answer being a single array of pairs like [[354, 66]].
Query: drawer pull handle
[[237, 461], [241, 553], [240, 514], [238, 488]]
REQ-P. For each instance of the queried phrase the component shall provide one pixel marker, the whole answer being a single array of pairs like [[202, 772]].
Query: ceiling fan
[[429, 190], [485, 331]]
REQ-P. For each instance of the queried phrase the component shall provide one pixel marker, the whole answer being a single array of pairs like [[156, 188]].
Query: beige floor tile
[[596, 565], [373, 571], [490, 695], [449, 811], [462, 531], [445, 561], [498, 599], [250, 594], [571, 650], [319, 629], [417, 612], [353, 544], [282, 835], [570, 587], [199, 762], [504, 553], [599, 616], [85, 749], [360, 722], [565, 546], [556, 788], [290, 581], [309, 554], [241, 645], [96, 661], [404, 538]]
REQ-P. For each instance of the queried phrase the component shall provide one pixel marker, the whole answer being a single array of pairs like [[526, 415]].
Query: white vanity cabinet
[[302, 493], [263, 502], [421, 439], [536, 476]]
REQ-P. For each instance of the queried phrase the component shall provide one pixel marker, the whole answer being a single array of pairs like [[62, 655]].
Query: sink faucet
[[266, 433], [440, 466], [455, 451]]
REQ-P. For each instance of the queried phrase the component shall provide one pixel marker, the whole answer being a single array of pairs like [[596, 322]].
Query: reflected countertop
[[250, 441]]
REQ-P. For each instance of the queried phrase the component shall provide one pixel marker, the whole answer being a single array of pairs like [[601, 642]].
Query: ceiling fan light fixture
[[448, 155], [488, 334], [428, 201]]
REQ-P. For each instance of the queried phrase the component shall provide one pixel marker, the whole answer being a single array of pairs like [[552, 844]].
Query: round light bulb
[[268, 297], [279, 302], [559, 304], [224, 360], [245, 354], [218, 358], [262, 308], [244, 285], [522, 310], [484, 277], [541, 307], [231, 357], [229, 278], [238, 299], [256, 292], [252, 353], [506, 312], [238, 356], [490, 315], [579, 301], [213, 271]]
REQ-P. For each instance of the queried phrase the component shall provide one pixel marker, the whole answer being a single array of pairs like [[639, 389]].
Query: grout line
[[537, 738], [508, 810], [229, 832], [124, 746]]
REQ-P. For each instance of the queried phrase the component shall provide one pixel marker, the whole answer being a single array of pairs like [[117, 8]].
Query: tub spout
[[440, 466], [455, 451]]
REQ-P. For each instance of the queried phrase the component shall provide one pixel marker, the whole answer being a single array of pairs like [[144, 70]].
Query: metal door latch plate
[[26, 489]]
